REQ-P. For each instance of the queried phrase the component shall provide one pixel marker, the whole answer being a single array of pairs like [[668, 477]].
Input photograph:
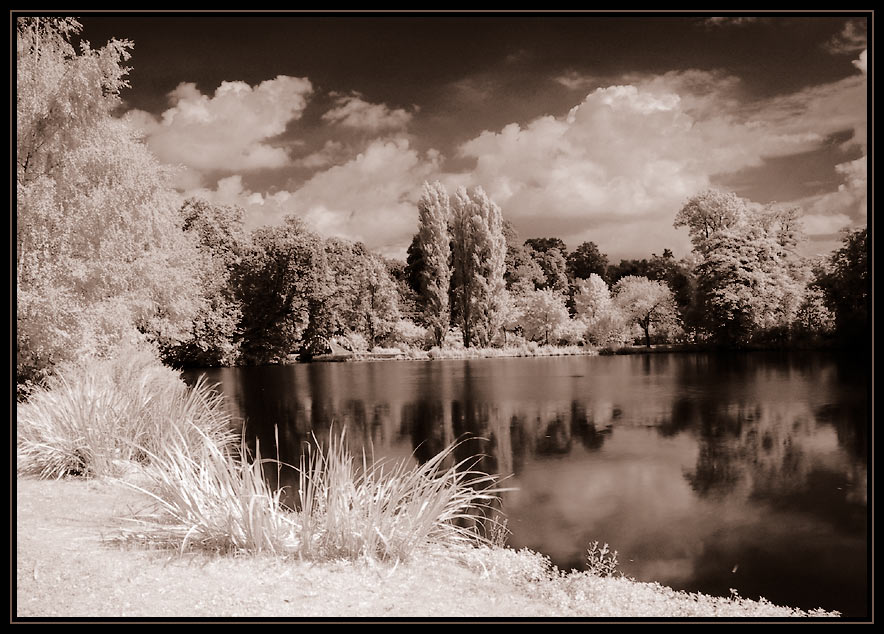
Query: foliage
[[479, 264], [100, 252], [649, 304], [434, 240], [221, 240], [605, 323], [97, 415], [750, 279], [210, 499], [585, 260], [281, 284], [709, 212], [600, 560], [845, 284], [543, 315], [552, 263], [522, 267]]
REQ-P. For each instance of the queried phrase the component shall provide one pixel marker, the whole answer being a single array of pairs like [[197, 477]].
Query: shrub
[[94, 416], [600, 560], [346, 508]]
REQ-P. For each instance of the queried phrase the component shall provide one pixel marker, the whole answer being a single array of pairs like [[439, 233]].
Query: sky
[[586, 127]]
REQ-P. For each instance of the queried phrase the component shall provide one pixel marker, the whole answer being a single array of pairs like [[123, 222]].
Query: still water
[[705, 472]]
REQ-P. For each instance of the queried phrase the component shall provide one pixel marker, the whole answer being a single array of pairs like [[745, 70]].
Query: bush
[[346, 508], [94, 416]]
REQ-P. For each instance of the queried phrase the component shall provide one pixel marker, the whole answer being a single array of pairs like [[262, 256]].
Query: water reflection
[[706, 472]]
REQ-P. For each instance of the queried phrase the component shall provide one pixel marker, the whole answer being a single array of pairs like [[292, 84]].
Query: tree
[[221, 239], [100, 255], [479, 264], [521, 266], [544, 315], [542, 245], [435, 246], [750, 278], [555, 269], [377, 300], [605, 323], [647, 303], [845, 283], [283, 286], [586, 260], [709, 212]]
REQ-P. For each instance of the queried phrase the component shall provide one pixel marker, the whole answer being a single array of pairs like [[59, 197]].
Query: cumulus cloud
[[861, 62], [353, 111], [371, 198], [620, 164], [230, 130], [848, 205]]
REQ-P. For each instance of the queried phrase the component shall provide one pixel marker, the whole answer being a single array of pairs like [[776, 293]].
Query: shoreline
[[71, 564]]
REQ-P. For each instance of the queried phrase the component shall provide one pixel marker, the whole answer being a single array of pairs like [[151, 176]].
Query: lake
[[705, 471]]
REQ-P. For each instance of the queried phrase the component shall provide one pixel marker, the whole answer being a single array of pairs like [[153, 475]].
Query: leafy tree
[[647, 303], [522, 266], [750, 278], [376, 301], [544, 315], [542, 245], [479, 264], [100, 255], [555, 269], [586, 260], [845, 284], [435, 245], [709, 212], [605, 323], [414, 266], [221, 240], [284, 288]]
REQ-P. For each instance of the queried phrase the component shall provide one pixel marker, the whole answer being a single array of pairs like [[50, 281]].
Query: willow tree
[[479, 264], [434, 242], [100, 252]]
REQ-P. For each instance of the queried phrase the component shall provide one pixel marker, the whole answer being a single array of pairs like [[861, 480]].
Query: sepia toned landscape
[[493, 316]]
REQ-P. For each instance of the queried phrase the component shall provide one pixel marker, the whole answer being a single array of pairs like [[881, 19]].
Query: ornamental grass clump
[[381, 510], [210, 498], [98, 416]]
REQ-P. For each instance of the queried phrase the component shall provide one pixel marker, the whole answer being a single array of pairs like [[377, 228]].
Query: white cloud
[[861, 62], [824, 224], [228, 131], [721, 21], [330, 153], [354, 112], [620, 164], [371, 198], [848, 205]]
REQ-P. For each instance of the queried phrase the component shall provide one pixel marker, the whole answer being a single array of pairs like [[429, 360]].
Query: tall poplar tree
[[435, 245], [479, 259]]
